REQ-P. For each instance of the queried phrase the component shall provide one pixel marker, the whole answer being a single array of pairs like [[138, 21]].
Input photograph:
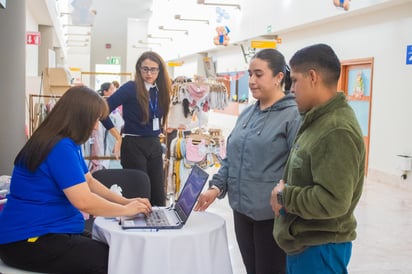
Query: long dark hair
[[74, 116], [163, 83], [276, 62]]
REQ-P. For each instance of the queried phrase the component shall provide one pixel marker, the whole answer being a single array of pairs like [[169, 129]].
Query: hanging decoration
[[221, 14], [342, 4], [222, 37]]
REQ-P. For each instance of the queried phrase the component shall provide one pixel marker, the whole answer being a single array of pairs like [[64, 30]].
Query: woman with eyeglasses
[[145, 107]]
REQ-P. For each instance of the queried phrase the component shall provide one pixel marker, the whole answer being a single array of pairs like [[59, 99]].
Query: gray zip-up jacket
[[257, 150]]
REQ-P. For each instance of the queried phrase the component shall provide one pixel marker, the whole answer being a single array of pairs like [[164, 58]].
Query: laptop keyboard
[[157, 218]]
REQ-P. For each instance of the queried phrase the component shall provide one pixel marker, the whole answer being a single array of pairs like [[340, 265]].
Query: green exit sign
[[113, 60], [269, 29]]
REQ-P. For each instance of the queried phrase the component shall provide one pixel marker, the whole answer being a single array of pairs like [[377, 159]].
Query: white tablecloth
[[200, 247]]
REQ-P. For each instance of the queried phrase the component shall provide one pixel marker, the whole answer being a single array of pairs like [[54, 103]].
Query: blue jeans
[[321, 259]]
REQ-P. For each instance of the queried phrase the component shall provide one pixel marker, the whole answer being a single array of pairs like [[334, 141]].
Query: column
[[12, 79]]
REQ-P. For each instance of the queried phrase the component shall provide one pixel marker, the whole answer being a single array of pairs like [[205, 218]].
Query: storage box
[[56, 81]]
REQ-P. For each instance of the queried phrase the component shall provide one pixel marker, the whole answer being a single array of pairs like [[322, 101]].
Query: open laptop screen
[[190, 192]]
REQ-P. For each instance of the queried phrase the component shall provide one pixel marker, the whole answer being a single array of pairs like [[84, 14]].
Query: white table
[[200, 247]]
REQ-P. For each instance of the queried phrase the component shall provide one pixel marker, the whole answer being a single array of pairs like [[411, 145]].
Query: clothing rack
[[36, 112], [191, 102], [205, 149]]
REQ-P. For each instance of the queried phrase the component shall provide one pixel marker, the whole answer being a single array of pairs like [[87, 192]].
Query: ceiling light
[[142, 47], [202, 2], [77, 40], [151, 36], [149, 43], [179, 17], [185, 31], [78, 34], [77, 45], [70, 25], [65, 13]]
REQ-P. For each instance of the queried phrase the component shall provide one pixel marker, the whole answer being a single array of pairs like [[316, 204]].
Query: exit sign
[[113, 60], [33, 38]]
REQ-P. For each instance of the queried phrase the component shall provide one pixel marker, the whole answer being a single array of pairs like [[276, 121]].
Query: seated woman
[[42, 225]]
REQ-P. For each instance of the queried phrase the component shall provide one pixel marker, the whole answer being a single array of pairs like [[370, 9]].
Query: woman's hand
[[205, 199], [138, 205], [141, 200], [116, 148]]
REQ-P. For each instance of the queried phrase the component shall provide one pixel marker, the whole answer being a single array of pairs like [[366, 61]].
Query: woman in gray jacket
[[257, 150]]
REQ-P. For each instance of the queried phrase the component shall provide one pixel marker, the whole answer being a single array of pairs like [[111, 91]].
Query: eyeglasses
[[151, 70]]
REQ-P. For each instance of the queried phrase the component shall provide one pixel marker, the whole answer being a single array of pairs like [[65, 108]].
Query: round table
[[200, 246]]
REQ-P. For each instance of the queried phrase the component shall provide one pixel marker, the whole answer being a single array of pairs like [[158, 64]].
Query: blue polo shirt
[[37, 204]]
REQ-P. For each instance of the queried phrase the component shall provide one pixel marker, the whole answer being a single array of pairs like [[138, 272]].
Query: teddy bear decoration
[[222, 37], [342, 4]]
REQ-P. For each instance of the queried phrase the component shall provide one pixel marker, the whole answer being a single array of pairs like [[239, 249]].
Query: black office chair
[[134, 183]]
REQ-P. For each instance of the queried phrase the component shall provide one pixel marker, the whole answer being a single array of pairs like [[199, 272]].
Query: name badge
[[156, 125]]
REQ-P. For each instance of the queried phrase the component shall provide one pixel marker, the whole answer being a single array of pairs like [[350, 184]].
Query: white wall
[[382, 34]]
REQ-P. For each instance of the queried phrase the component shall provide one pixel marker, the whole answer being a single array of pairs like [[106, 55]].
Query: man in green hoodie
[[323, 177]]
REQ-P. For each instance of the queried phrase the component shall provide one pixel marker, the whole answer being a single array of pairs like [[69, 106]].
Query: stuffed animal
[[342, 4], [222, 37]]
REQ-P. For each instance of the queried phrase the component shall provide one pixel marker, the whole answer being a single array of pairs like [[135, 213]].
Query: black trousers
[[145, 153], [259, 250], [58, 253]]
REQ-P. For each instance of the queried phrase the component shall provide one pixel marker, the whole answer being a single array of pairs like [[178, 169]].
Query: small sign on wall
[[409, 55], [33, 38]]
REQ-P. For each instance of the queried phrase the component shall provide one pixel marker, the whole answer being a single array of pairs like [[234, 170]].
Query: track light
[[179, 17], [202, 2], [151, 36], [149, 43], [71, 25], [78, 34], [185, 31]]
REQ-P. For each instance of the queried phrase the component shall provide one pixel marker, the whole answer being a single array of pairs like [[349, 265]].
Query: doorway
[[356, 81]]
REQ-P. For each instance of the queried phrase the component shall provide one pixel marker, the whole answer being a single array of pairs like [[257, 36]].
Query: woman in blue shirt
[[42, 225], [145, 104]]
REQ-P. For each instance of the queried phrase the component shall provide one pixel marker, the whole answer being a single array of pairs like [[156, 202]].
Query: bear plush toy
[[222, 37], [342, 4]]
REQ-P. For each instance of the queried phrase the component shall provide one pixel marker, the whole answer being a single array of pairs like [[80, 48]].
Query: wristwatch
[[279, 197]]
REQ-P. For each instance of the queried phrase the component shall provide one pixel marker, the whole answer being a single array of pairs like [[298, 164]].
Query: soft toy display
[[222, 37], [342, 4]]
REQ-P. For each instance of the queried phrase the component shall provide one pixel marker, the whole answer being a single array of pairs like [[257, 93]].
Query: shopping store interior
[[89, 42]]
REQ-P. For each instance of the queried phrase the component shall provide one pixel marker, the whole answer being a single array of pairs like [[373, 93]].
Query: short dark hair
[[319, 57]]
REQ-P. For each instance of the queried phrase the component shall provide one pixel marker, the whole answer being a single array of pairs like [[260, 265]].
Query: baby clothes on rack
[[189, 148]]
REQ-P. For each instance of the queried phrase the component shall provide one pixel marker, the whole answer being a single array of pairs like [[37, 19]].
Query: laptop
[[175, 216]]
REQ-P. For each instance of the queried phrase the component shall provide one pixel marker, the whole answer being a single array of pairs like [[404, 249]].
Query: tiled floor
[[384, 242]]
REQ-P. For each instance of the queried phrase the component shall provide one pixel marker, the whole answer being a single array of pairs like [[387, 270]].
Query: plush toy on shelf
[[342, 4], [222, 37]]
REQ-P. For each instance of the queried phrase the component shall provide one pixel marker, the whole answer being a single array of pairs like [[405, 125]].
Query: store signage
[[33, 38], [263, 44], [175, 64], [409, 55]]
